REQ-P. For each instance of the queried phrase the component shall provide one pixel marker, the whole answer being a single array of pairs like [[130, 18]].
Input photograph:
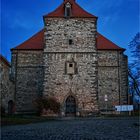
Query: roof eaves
[[117, 47], [25, 49], [30, 39], [121, 49], [5, 60]]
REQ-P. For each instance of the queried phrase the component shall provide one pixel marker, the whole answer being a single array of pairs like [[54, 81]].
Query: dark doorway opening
[[10, 107], [70, 106]]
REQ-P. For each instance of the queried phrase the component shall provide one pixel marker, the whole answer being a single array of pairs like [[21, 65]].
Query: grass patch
[[23, 119]]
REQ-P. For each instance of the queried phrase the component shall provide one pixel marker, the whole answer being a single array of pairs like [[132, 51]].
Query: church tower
[[70, 59]]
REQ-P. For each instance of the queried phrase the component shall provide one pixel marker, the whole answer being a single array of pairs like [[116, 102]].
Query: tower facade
[[70, 60]]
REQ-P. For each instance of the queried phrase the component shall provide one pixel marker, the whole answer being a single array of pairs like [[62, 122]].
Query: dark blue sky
[[118, 19]]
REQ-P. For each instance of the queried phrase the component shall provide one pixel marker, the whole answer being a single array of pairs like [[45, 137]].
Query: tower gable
[[76, 11]]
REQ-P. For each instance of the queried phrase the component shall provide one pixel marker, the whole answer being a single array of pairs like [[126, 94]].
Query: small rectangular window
[[70, 41], [70, 68], [70, 65]]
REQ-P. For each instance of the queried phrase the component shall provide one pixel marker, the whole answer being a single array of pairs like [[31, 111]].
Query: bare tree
[[134, 67]]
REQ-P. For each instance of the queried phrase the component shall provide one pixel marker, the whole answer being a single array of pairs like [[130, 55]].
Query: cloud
[[108, 11], [110, 19], [22, 20], [20, 23], [108, 4]]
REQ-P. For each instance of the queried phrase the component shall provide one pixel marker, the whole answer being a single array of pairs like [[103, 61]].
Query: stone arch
[[74, 103], [11, 106]]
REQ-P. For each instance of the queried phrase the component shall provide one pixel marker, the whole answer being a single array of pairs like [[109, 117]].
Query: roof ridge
[[5, 60]]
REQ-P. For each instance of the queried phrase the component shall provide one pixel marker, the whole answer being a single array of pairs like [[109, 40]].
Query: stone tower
[[70, 59]]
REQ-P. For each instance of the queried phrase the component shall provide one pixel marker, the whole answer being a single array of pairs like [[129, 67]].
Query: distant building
[[6, 86], [70, 60]]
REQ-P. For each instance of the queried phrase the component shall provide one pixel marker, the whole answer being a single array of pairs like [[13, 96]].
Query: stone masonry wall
[[96, 74], [123, 79], [83, 84], [112, 79], [6, 86], [59, 31], [28, 70]]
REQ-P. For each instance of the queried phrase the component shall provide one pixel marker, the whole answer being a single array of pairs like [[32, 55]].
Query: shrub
[[2, 110], [49, 103]]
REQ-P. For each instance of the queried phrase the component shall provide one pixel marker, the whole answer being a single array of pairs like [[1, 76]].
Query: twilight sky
[[118, 20]]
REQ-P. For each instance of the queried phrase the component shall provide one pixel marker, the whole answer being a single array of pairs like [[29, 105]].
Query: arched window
[[68, 10]]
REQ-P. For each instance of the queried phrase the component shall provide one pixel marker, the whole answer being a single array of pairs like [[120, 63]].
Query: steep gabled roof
[[105, 44], [36, 42], [77, 11], [3, 59]]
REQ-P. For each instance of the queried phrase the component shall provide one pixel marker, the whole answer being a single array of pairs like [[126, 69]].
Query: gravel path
[[76, 129]]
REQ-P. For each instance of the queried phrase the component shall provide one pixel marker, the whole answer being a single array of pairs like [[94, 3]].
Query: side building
[[6, 87]]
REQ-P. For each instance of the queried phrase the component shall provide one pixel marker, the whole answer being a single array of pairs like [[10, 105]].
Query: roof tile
[[36, 42], [105, 44]]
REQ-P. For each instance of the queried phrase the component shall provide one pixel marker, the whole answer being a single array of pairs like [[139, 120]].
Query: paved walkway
[[76, 129]]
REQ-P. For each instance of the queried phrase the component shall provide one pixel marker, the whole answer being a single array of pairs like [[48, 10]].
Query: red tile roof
[[36, 42], [3, 59], [77, 11], [104, 44]]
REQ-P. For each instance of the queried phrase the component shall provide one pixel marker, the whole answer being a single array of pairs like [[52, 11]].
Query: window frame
[[67, 10], [74, 66]]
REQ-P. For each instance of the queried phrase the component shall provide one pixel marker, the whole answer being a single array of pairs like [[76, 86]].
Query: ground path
[[76, 129]]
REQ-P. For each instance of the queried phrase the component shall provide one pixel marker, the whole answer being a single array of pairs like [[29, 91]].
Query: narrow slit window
[[67, 10]]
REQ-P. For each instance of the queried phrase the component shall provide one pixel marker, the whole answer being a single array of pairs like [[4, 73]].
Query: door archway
[[70, 106], [10, 107]]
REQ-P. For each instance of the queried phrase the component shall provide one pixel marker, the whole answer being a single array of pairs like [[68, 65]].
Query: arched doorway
[[10, 107], [70, 106]]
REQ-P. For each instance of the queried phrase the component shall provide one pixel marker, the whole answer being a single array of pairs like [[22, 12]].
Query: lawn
[[23, 119]]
